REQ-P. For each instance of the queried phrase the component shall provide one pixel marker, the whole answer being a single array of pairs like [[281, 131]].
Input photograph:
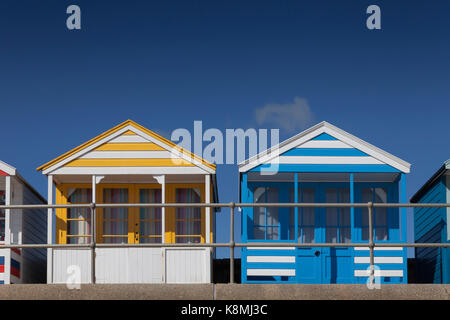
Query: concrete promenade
[[223, 292]]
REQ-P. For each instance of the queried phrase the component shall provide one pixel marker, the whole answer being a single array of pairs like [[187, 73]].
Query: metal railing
[[231, 244]]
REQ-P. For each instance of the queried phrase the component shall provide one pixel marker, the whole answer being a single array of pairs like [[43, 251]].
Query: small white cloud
[[290, 117]]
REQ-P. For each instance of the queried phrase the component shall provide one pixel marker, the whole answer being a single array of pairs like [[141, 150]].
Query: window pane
[[147, 228], [272, 213], [188, 227], [75, 227], [365, 234], [188, 195], [381, 234], [307, 234], [115, 240], [344, 195], [188, 220], [259, 216], [380, 217], [272, 233], [81, 226], [331, 235], [150, 228], [291, 232], [344, 217], [380, 195], [307, 217], [292, 209], [115, 220], [307, 214], [345, 235], [78, 240], [150, 196], [331, 213], [150, 240], [187, 239], [365, 197], [2, 216], [258, 233], [115, 227]]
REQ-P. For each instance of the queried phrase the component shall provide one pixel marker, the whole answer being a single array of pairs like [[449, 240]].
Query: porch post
[[244, 199], [163, 209], [8, 194], [8, 211], [352, 209], [296, 208], [50, 229], [403, 218], [93, 227], [208, 209]]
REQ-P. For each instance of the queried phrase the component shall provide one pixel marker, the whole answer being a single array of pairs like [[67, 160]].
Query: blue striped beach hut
[[322, 164]]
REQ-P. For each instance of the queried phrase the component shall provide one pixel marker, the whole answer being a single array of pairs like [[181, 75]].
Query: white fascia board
[[368, 148], [52, 169], [175, 152], [127, 170], [84, 151], [7, 168], [281, 148]]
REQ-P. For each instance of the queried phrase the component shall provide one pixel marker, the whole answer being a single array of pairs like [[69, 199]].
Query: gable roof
[[6, 168], [120, 135], [423, 190], [330, 136]]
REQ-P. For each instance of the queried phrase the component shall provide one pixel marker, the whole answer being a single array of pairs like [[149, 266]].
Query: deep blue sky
[[165, 64]]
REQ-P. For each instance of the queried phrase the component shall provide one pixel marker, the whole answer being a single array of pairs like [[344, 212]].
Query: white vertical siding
[[136, 265], [28, 227], [129, 265], [34, 230], [188, 265], [64, 258]]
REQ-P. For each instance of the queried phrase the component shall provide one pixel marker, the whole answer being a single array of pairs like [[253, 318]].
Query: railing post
[[232, 243], [371, 243], [93, 241]]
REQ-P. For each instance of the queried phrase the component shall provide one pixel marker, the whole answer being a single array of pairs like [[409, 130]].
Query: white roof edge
[[79, 153], [447, 164], [8, 168], [351, 139]]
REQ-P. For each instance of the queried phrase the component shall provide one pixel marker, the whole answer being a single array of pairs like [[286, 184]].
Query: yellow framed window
[[188, 221], [114, 222], [78, 219], [150, 219]]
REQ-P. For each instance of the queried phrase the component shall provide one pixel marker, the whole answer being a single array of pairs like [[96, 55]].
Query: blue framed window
[[266, 223], [380, 216], [306, 216], [337, 220]]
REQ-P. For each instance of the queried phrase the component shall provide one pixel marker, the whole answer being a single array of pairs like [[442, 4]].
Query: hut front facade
[[20, 226], [131, 164], [431, 225], [323, 164]]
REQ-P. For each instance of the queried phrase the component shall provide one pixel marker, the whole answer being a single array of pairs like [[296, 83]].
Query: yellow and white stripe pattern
[[130, 153]]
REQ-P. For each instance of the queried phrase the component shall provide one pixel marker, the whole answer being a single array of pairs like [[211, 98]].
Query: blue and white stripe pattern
[[274, 261], [325, 153], [388, 261]]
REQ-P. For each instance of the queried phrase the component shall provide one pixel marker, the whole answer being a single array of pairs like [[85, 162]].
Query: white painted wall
[[135, 265]]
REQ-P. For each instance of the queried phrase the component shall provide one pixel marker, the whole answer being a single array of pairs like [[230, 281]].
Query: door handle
[[317, 253]]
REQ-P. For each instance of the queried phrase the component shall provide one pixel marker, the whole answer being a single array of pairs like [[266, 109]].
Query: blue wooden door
[[324, 225], [309, 260], [337, 262]]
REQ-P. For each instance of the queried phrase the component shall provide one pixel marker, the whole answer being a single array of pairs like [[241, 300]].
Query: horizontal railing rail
[[371, 244]]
